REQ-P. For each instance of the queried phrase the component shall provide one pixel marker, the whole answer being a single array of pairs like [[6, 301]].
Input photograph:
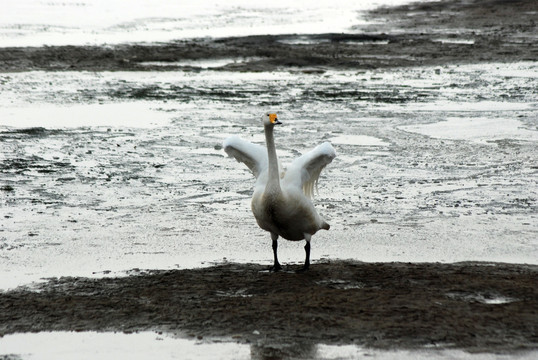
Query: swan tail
[[325, 226]]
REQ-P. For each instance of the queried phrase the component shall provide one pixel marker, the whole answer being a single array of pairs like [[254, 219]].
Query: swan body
[[281, 202]]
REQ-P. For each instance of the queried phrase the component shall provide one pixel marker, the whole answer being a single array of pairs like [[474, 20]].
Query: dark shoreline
[[433, 34], [478, 307]]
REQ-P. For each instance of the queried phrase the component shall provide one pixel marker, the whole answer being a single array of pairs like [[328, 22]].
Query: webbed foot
[[276, 267]]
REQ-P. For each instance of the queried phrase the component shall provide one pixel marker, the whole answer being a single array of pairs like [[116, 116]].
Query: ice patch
[[475, 129]]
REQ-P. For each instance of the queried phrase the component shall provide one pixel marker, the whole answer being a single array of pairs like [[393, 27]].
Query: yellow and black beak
[[273, 119]]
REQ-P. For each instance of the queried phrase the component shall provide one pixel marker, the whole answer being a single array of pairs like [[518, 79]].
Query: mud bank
[[479, 307], [435, 33]]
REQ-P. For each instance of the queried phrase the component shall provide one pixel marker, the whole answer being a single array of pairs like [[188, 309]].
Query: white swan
[[281, 201]]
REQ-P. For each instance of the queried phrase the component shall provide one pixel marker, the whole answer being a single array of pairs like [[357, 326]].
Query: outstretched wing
[[252, 155], [305, 170]]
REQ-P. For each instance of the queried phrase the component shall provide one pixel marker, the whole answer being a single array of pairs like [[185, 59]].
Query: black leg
[[307, 259], [276, 266], [307, 251]]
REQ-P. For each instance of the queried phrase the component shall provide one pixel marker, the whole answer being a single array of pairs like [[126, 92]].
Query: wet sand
[[479, 307], [446, 32]]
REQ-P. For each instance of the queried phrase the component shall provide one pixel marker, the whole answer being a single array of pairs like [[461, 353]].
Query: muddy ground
[[474, 306], [478, 307], [447, 32]]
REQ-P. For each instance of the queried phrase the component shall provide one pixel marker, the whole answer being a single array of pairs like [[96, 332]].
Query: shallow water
[[73, 22], [106, 172], [143, 345], [92, 345]]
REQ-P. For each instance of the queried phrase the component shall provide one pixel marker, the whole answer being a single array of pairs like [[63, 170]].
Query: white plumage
[[281, 200]]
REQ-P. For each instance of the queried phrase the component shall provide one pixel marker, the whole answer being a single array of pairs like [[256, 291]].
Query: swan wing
[[252, 155], [305, 170]]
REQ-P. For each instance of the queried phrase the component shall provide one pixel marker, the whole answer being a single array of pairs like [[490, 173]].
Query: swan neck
[[274, 176]]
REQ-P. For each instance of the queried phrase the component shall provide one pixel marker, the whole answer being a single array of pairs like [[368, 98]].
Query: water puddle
[[97, 345], [204, 64], [359, 140], [154, 345], [127, 114], [303, 40], [342, 284], [484, 298], [238, 293], [309, 40], [455, 41], [345, 352], [471, 106], [475, 129], [376, 42]]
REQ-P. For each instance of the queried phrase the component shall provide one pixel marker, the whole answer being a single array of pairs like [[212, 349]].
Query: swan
[[281, 202]]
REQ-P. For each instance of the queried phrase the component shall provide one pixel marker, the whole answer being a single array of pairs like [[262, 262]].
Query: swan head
[[270, 119]]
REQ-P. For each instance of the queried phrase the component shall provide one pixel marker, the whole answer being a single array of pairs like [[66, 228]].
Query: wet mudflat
[[420, 174], [432, 111], [473, 306]]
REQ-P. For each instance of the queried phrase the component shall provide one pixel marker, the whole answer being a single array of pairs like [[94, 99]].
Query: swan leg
[[276, 266], [307, 251]]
